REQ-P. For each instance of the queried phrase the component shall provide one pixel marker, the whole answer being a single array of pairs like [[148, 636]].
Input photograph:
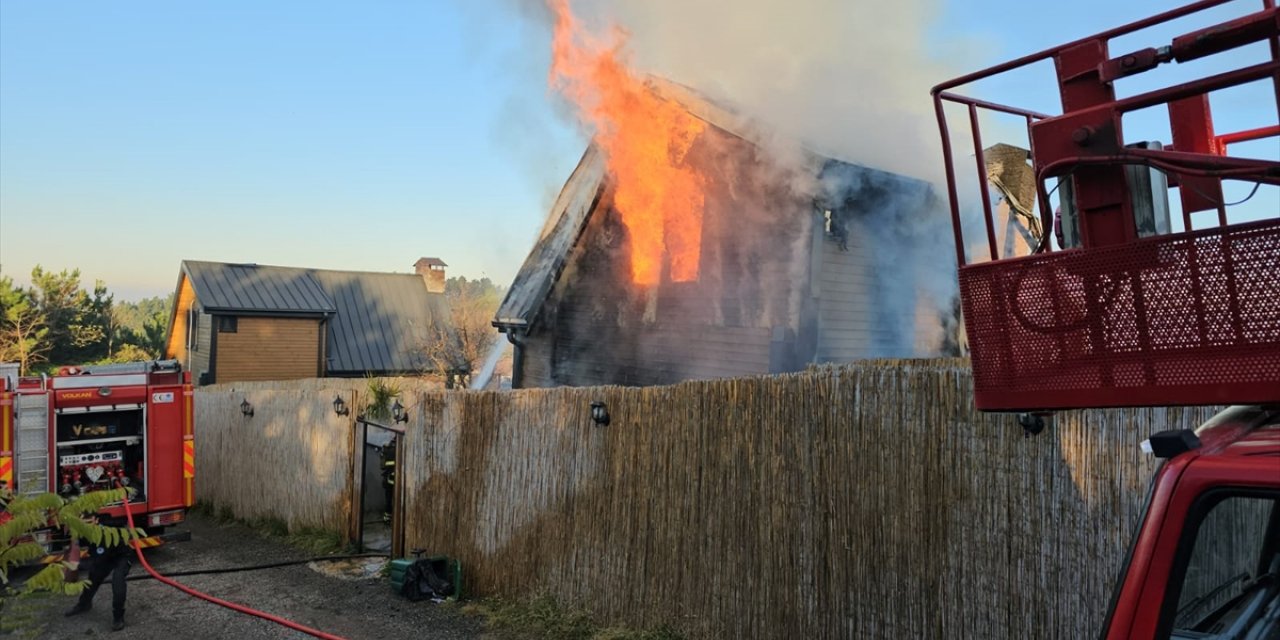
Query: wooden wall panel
[[269, 349]]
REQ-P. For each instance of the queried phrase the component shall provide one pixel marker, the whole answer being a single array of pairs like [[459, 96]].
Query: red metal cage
[[1124, 316]]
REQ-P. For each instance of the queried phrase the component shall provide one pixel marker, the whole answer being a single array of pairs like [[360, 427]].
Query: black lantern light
[[339, 406], [600, 413], [246, 409], [1032, 423], [398, 412]]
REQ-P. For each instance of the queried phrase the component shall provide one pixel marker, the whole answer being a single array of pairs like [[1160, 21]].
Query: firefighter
[[114, 561], [387, 457]]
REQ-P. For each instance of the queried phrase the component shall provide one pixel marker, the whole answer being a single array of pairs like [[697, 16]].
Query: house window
[[227, 324], [835, 228], [195, 330]]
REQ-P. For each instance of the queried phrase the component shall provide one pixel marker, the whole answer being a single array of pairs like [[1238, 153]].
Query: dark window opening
[[227, 324], [195, 330], [836, 228]]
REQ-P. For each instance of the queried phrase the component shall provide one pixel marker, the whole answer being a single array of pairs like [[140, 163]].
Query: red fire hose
[[218, 601]]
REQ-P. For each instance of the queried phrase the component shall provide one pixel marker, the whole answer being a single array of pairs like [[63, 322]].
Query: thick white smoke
[[848, 78]]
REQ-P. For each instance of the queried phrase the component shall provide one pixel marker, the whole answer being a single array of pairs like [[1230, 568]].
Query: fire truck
[[1122, 310], [98, 427]]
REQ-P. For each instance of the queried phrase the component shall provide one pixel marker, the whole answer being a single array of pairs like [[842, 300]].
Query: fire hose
[[137, 548], [258, 567]]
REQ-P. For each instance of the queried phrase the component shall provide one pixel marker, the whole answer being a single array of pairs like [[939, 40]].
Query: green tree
[[21, 516], [23, 328], [79, 322], [142, 325]]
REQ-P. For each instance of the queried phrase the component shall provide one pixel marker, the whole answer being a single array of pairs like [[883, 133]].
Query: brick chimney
[[432, 272]]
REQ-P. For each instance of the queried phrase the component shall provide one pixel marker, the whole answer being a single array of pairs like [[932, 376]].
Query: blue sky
[[327, 134]]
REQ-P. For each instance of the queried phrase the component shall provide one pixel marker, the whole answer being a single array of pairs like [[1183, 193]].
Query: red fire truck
[[93, 427], [1125, 311]]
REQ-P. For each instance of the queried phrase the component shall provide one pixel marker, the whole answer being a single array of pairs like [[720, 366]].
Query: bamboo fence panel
[[856, 501], [862, 501], [291, 460]]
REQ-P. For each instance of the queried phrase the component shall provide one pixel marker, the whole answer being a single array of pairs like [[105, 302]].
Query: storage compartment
[[97, 449]]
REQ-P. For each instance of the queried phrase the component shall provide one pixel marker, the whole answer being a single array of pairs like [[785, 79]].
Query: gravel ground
[[351, 608]]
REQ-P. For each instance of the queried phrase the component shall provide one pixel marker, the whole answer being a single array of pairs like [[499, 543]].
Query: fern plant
[[22, 516]]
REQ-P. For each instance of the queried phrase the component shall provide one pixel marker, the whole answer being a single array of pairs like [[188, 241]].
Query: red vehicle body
[[98, 427], [1127, 312], [1238, 458]]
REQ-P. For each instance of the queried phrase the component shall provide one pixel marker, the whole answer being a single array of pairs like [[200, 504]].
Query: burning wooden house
[[724, 257]]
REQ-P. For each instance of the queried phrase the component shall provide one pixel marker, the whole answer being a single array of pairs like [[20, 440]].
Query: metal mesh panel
[[33, 443], [33, 422], [1182, 319]]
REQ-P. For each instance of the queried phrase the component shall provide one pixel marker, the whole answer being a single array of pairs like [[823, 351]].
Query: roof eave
[[268, 313]]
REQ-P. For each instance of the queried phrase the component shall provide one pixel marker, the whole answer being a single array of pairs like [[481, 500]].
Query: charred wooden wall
[[742, 316]]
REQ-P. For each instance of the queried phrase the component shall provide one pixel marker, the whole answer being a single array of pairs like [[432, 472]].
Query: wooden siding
[[195, 360], [203, 351], [535, 368], [843, 288], [176, 347], [269, 349]]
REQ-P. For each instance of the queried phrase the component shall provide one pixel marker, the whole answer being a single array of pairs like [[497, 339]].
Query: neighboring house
[[241, 322], [818, 261]]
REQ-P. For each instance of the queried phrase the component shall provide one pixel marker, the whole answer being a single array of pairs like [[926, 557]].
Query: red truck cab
[[1205, 562]]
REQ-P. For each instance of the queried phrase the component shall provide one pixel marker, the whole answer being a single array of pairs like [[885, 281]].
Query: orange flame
[[644, 139]]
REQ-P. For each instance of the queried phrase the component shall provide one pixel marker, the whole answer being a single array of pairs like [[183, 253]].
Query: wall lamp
[[1033, 423], [600, 413], [398, 412], [340, 406], [246, 409]]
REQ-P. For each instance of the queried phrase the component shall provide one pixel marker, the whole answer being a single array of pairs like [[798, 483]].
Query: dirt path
[[353, 609]]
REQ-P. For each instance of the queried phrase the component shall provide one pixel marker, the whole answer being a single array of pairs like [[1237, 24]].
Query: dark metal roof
[[377, 321], [383, 321], [256, 288]]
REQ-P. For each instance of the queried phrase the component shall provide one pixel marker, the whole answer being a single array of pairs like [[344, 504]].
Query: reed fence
[[864, 501], [858, 501], [291, 460]]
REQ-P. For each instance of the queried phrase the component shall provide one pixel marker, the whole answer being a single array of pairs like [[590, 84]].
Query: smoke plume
[[848, 78]]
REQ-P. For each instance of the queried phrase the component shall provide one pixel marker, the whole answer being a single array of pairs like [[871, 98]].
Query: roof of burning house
[[376, 321], [569, 215], [564, 224]]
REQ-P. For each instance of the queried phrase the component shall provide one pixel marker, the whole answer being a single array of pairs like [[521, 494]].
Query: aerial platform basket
[[1124, 312]]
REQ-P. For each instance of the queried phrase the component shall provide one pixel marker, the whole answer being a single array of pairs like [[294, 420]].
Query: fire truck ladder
[[32, 422]]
